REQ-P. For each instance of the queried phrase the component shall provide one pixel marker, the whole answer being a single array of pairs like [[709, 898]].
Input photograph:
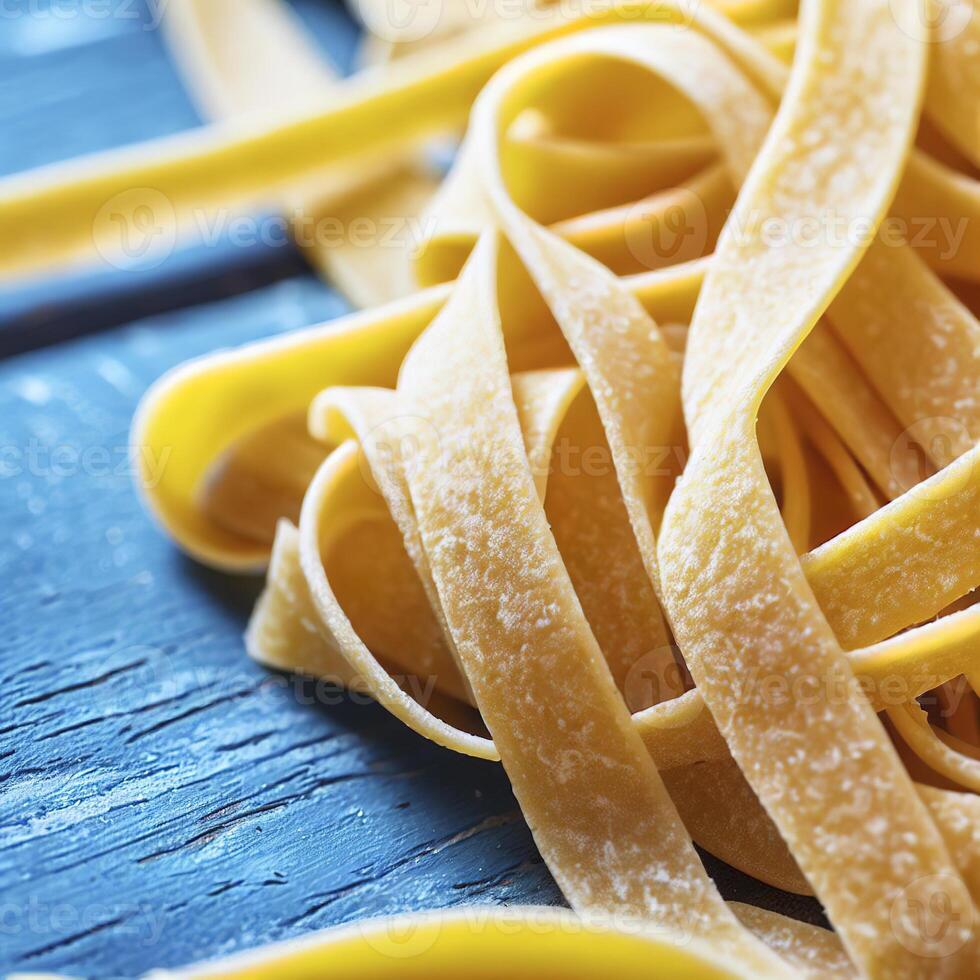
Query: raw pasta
[[663, 467]]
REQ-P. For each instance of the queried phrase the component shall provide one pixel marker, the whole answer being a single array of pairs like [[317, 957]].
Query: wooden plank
[[162, 797], [96, 83]]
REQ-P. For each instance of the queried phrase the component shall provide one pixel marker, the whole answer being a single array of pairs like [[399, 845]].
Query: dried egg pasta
[[647, 413]]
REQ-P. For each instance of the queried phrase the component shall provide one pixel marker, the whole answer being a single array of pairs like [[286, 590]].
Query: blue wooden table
[[162, 798]]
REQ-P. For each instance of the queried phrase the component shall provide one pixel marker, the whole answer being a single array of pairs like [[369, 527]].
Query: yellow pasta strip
[[832, 379], [954, 81], [916, 555], [576, 765], [957, 814], [826, 440], [492, 942], [934, 394], [225, 49], [941, 752], [255, 58], [722, 532], [939, 208]]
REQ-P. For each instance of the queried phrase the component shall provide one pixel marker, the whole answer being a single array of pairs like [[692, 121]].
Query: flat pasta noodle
[[666, 574], [518, 942], [254, 59], [743, 333]]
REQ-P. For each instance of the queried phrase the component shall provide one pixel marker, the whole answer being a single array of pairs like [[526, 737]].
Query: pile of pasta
[[650, 469]]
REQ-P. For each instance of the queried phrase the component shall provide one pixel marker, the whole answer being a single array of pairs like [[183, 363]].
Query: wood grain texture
[[162, 798]]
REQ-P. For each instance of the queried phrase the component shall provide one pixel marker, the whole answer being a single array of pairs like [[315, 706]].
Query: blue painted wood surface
[[162, 798]]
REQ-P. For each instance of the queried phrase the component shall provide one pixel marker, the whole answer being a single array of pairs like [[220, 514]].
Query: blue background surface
[[162, 798]]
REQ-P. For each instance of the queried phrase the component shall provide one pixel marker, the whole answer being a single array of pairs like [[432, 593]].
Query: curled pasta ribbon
[[444, 536], [759, 612]]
